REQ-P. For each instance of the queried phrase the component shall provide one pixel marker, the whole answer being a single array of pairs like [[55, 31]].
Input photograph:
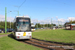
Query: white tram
[[32, 27], [22, 26]]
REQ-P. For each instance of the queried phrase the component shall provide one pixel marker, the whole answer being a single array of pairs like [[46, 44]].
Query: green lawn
[[7, 43], [59, 35], [5, 33]]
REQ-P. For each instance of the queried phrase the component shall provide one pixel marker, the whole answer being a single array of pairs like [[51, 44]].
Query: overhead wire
[[22, 3]]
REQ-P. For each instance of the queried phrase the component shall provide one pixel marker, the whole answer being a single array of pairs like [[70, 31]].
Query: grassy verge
[[59, 35], [5, 33], [7, 43]]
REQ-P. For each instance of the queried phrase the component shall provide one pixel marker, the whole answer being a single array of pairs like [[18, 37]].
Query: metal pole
[[43, 25], [18, 12], [51, 22], [37, 24], [10, 20], [5, 19], [58, 23], [10, 24], [47, 25]]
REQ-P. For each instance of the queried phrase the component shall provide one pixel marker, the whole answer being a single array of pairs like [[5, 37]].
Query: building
[[70, 26]]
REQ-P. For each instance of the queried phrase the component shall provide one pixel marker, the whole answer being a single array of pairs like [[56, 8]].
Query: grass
[[59, 35], [7, 43], [5, 33]]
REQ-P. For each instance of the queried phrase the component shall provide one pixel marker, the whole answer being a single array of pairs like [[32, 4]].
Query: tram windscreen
[[23, 24], [32, 27]]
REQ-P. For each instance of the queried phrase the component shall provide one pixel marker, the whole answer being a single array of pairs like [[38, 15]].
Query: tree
[[44, 25], [70, 22], [38, 25], [49, 25], [2, 25]]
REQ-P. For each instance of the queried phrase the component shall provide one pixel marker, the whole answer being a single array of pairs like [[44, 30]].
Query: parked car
[[0, 31], [8, 30], [11, 30]]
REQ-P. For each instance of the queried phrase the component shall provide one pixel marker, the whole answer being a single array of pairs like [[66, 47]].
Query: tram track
[[47, 45], [70, 44]]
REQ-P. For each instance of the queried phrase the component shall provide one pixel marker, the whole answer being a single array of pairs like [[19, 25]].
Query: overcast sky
[[40, 11]]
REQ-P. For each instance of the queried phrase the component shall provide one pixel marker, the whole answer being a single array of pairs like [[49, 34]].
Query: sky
[[40, 11]]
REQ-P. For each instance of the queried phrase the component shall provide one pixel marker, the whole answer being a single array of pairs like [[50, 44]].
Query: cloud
[[45, 21], [71, 18], [40, 21], [10, 19], [62, 20], [2, 18]]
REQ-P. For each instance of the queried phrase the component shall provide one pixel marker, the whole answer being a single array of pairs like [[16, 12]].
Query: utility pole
[[47, 25], [20, 6], [10, 20], [37, 24], [57, 21], [51, 23], [5, 19], [42, 24], [18, 11]]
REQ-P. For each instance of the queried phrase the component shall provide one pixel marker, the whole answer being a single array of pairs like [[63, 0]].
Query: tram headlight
[[18, 33], [28, 33]]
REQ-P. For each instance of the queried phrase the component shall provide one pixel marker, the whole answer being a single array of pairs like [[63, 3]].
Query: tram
[[32, 28], [22, 26]]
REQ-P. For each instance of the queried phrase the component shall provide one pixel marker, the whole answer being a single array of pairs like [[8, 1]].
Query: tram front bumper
[[23, 37]]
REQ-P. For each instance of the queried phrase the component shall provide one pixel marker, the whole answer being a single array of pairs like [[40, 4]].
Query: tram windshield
[[32, 27], [23, 24]]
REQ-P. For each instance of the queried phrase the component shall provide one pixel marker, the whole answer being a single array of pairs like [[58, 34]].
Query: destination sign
[[23, 20]]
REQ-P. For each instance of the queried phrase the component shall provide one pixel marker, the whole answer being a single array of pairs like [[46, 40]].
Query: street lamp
[[57, 21], [10, 20], [5, 19], [37, 24], [51, 22]]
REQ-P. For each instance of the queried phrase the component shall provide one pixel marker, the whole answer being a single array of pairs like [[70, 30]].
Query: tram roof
[[23, 16]]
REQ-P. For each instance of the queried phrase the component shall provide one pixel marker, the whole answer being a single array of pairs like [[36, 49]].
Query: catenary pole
[[51, 23], [5, 19], [10, 20]]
